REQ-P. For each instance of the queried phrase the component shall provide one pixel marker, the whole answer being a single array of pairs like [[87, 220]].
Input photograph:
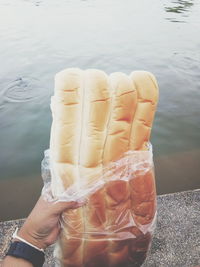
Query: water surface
[[40, 38]]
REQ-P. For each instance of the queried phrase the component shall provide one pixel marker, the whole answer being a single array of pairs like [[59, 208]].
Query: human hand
[[42, 226]]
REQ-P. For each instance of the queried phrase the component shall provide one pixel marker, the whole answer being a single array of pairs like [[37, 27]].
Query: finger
[[62, 206]]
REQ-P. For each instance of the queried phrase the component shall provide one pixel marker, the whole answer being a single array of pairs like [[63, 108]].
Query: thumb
[[61, 206]]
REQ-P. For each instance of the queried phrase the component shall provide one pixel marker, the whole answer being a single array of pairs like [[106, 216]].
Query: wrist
[[24, 253], [26, 236]]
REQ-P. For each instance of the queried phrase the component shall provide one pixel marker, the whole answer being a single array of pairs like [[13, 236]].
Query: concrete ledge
[[176, 241]]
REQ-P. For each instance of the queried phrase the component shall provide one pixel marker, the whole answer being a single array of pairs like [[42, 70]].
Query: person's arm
[[41, 228], [15, 262]]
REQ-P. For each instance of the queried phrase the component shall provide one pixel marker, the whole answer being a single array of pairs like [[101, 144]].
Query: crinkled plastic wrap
[[114, 227]]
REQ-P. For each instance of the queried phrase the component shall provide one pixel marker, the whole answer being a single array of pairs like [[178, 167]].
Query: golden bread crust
[[96, 119]]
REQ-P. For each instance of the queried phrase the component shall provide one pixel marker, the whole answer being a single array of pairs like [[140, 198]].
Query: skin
[[41, 228]]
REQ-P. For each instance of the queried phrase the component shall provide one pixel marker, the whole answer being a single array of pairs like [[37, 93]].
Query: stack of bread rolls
[[97, 119]]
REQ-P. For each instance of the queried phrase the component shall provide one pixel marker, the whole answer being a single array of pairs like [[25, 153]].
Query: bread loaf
[[66, 108], [97, 119]]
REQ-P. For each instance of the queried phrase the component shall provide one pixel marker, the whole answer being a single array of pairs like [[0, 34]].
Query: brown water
[[40, 38]]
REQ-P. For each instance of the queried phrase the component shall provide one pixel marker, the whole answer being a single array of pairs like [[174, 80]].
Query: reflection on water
[[179, 7], [41, 37]]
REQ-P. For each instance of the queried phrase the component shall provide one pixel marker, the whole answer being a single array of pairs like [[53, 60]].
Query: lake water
[[41, 37]]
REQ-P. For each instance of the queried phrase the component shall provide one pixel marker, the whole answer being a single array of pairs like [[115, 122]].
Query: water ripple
[[21, 89]]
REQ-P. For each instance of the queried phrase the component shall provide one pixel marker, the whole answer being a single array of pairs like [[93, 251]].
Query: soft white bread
[[124, 101], [64, 153], [96, 118], [97, 103], [142, 187], [147, 98], [117, 193]]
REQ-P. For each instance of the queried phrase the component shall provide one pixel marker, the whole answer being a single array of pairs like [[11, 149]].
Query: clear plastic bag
[[114, 228]]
